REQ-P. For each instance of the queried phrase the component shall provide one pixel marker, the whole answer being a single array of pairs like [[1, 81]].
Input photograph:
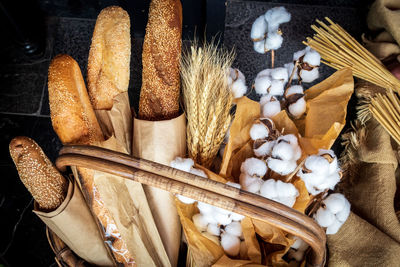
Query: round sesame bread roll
[[47, 186], [71, 112], [109, 57], [159, 96]]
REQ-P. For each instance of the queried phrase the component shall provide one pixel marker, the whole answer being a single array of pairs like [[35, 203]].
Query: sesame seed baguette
[[159, 96], [75, 122], [109, 57], [47, 186]]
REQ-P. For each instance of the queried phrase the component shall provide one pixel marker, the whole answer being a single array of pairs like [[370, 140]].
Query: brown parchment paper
[[72, 221], [162, 142]]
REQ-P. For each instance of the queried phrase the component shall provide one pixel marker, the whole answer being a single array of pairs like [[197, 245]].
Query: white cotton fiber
[[198, 172], [277, 87], [280, 74], [213, 229], [289, 66], [262, 84], [311, 179], [236, 216], [254, 166], [182, 164], [291, 138], [334, 227], [259, 28], [312, 57], [298, 108], [210, 218], [204, 208], [284, 193], [238, 88], [335, 202], [286, 189], [222, 219], [283, 150], [234, 228], [258, 131], [185, 200], [276, 16], [213, 238], [221, 211], [309, 76], [200, 222], [317, 165], [330, 182], [324, 217], [265, 72], [294, 89], [344, 213], [274, 41], [259, 47], [280, 166], [268, 189], [249, 183], [298, 54], [265, 149], [270, 109], [230, 244], [333, 166], [236, 74], [266, 98]]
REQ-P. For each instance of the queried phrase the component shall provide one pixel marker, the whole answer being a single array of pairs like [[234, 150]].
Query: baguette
[[159, 96], [47, 186], [74, 121], [109, 57]]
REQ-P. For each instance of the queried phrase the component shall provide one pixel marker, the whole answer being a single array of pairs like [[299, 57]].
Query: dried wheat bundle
[[386, 110], [339, 50], [207, 99]]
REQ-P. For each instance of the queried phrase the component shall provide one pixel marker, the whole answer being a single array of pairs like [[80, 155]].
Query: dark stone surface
[[241, 15]]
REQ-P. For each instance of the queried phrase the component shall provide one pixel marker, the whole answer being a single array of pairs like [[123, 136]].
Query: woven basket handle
[[204, 190]]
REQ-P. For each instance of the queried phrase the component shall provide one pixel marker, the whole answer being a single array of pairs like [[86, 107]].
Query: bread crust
[[47, 186], [71, 112], [159, 96], [109, 57]]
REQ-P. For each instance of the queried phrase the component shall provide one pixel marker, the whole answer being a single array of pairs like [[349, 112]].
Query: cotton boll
[[287, 201], [294, 89], [262, 84], [185, 200], [333, 166], [268, 189], [312, 57], [273, 41], [317, 165], [249, 183], [236, 216], [265, 99], [204, 208], [182, 164], [283, 150], [324, 217], [259, 47], [298, 54], [298, 108], [200, 222], [259, 28], [213, 229], [334, 202], [222, 219], [238, 88], [236, 74], [344, 213], [277, 87], [334, 227], [286, 189], [254, 166], [297, 153], [270, 109], [309, 76], [221, 211], [234, 228], [281, 167], [265, 149], [258, 131], [291, 138], [276, 16], [209, 217], [311, 179], [230, 244], [198, 172], [265, 72], [290, 67], [213, 238], [280, 74], [329, 182]]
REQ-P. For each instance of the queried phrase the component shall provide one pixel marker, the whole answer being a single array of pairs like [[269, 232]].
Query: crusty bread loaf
[[159, 96], [74, 121], [47, 186], [71, 112], [109, 57]]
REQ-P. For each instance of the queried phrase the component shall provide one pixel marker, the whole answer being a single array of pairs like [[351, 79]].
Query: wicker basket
[[205, 190]]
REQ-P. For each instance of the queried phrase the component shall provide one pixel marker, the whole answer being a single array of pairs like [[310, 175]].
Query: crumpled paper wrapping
[[74, 224], [324, 120], [162, 142]]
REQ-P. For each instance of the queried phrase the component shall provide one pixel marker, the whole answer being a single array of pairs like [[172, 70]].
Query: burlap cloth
[[371, 235], [384, 19]]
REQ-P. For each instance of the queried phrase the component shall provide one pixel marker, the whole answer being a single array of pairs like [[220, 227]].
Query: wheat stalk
[[207, 99], [340, 50]]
